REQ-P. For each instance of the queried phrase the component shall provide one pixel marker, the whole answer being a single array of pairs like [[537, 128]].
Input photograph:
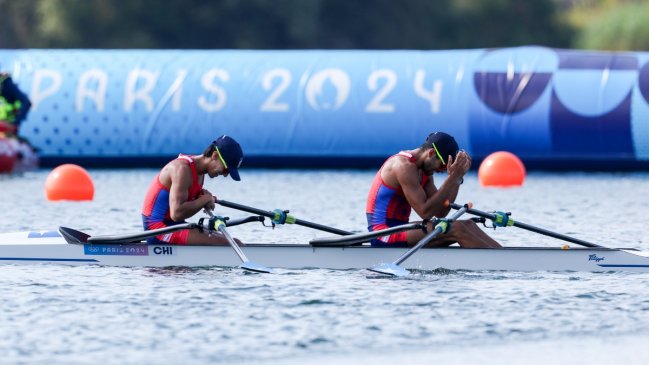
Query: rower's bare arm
[[181, 180], [431, 191], [408, 177], [449, 189]]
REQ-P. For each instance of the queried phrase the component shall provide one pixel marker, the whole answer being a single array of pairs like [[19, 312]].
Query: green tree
[[624, 27], [280, 24], [16, 19]]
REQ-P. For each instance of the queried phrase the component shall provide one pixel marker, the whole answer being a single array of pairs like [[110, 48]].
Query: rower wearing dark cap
[[177, 193], [405, 182]]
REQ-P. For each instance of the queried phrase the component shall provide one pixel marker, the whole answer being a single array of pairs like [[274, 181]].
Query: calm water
[[86, 315]]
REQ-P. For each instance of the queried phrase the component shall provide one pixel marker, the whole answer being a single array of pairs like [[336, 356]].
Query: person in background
[[177, 193], [14, 106], [405, 182]]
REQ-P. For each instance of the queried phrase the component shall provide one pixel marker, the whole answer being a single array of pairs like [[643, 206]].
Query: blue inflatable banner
[[545, 105]]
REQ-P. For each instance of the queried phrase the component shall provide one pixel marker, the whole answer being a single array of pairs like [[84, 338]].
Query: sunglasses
[[439, 155], [222, 160]]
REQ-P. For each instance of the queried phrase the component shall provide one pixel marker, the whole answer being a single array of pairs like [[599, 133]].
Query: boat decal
[[117, 250], [594, 257], [163, 250], [46, 259], [44, 234]]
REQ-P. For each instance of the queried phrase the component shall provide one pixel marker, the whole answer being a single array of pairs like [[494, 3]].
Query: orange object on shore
[[69, 182], [501, 169]]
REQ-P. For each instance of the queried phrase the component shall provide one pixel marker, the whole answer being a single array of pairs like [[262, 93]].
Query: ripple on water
[[66, 315]]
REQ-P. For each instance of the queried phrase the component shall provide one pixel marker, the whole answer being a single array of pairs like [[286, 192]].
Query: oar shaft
[[272, 215], [245, 263], [233, 243], [528, 227], [429, 237], [134, 237], [359, 238]]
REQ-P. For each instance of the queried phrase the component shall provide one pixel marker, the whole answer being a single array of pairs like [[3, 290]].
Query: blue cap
[[230, 154], [443, 144]]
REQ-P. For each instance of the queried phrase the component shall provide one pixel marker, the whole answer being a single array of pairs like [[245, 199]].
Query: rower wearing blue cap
[[177, 193], [405, 183]]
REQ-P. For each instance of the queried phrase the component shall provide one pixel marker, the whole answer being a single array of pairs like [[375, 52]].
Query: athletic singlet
[[156, 212], [388, 207]]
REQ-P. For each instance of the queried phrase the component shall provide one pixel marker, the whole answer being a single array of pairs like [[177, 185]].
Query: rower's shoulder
[[396, 169], [178, 165], [402, 163], [174, 169]]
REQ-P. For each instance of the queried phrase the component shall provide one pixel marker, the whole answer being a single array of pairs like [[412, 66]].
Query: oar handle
[[528, 227], [236, 222], [272, 215]]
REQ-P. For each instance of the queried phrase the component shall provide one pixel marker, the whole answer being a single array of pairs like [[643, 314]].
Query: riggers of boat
[[344, 251]]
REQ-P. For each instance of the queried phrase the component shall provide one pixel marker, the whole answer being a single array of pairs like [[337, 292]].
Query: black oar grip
[[236, 222]]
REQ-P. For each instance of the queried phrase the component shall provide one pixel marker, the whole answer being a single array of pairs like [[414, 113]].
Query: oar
[[441, 227], [503, 220], [138, 236], [355, 239], [246, 264], [280, 217]]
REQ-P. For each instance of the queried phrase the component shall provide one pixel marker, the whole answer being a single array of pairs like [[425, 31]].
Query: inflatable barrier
[[550, 107]]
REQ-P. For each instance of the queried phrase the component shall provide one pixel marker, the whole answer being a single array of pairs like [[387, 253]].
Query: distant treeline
[[326, 24]]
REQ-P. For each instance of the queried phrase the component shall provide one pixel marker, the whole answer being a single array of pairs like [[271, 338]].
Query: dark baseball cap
[[443, 144], [230, 154]]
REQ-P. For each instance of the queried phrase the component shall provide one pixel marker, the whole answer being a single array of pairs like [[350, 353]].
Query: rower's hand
[[208, 199], [459, 166]]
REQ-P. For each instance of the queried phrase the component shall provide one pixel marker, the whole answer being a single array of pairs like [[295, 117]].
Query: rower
[[405, 182], [177, 193], [14, 105]]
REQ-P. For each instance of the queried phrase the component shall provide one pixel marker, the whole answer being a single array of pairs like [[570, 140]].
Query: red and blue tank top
[[155, 210], [387, 206]]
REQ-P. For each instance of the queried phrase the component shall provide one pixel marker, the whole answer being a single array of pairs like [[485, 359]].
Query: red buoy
[[69, 182], [501, 169], [7, 156]]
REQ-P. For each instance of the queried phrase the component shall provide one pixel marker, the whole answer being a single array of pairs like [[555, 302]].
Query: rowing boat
[[72, 248], [345, 251]]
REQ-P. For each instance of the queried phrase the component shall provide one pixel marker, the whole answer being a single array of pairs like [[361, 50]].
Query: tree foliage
[[623, 28], [280, 24]]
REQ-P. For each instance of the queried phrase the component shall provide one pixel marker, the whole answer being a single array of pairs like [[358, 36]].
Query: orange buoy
[[69, 182], [501, 169]]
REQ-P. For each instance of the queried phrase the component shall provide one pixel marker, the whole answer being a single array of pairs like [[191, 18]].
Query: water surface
[[81, 315]]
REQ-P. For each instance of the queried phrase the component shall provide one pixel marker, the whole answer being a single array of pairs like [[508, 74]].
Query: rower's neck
[[201, 164], [418, 154]]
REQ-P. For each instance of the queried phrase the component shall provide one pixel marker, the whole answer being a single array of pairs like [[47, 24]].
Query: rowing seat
[[73, 236]]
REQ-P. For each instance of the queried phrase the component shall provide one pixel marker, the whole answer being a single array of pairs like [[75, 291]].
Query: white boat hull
[[50, 247]]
